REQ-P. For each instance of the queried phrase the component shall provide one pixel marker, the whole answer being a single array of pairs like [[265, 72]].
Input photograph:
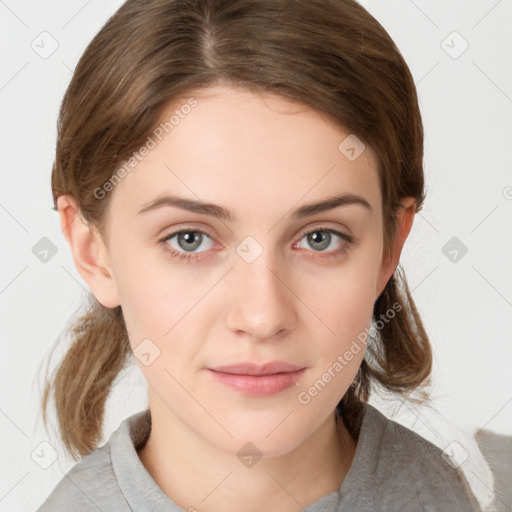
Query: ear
[[89, 252], [405, 215]]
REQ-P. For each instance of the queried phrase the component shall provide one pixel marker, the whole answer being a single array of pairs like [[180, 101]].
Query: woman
[[236, 181]]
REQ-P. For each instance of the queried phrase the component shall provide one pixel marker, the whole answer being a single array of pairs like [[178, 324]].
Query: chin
[[269, 437], [259, 447]]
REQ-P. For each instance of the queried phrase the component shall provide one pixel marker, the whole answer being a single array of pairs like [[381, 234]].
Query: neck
[[198, 476]]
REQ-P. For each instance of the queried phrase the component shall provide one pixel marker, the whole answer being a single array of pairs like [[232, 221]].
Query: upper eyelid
[[302, 232], [319, 225], [346, 236]]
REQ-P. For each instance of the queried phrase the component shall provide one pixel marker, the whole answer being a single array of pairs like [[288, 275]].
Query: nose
[[262, 303]]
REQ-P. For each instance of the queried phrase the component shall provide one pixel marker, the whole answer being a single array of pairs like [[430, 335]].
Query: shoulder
[[87, 486], [408, 470]]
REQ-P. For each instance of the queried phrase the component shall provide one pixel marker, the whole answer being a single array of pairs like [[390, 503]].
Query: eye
[[182, 244], [187, 240], [322, 239]]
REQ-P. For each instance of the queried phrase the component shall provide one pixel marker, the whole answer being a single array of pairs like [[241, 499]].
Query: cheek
[[349, 319], [147, 300], [345, 306], [338, 353], [166, 305], [345, 301], [352, 313]]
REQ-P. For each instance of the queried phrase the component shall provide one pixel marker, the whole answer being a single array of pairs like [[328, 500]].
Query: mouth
[[258, 380]]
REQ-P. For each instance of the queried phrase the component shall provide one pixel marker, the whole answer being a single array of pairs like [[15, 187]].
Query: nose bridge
[[262, 305]]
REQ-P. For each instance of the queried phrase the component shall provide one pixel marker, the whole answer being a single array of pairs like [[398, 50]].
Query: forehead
[[247, 150]]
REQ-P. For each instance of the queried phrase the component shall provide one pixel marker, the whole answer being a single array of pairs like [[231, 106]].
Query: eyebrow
[[214, 210]]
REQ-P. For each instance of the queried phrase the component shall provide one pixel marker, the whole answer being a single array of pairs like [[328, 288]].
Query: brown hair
[[330, 55]]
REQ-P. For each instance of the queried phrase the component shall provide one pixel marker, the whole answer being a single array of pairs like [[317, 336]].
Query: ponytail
[[80, 385]]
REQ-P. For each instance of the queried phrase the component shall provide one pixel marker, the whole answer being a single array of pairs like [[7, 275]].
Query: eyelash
[[181, 256]]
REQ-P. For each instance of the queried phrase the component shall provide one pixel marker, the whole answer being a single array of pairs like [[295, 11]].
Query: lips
[[255, 369], [258, 379]]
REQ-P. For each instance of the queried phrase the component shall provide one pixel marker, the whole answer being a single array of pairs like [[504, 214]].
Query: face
[[268, 286]]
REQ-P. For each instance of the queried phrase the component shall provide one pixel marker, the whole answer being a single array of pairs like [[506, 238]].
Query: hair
[[330, 55]]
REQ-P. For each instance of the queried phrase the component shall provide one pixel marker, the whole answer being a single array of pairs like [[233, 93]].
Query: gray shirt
[[394, 469]]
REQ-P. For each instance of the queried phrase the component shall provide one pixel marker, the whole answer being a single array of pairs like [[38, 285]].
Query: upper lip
[[257, 369]]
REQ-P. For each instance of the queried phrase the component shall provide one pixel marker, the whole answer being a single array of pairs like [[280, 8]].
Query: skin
[[262, 157]]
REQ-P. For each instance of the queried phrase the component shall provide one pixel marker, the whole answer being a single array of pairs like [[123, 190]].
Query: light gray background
[[466, 102]]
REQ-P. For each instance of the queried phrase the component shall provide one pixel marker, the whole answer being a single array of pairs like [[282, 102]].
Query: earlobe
[[405, 219], [89, 252]]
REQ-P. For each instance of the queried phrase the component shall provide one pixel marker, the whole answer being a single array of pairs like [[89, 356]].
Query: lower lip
[[262, 385]]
